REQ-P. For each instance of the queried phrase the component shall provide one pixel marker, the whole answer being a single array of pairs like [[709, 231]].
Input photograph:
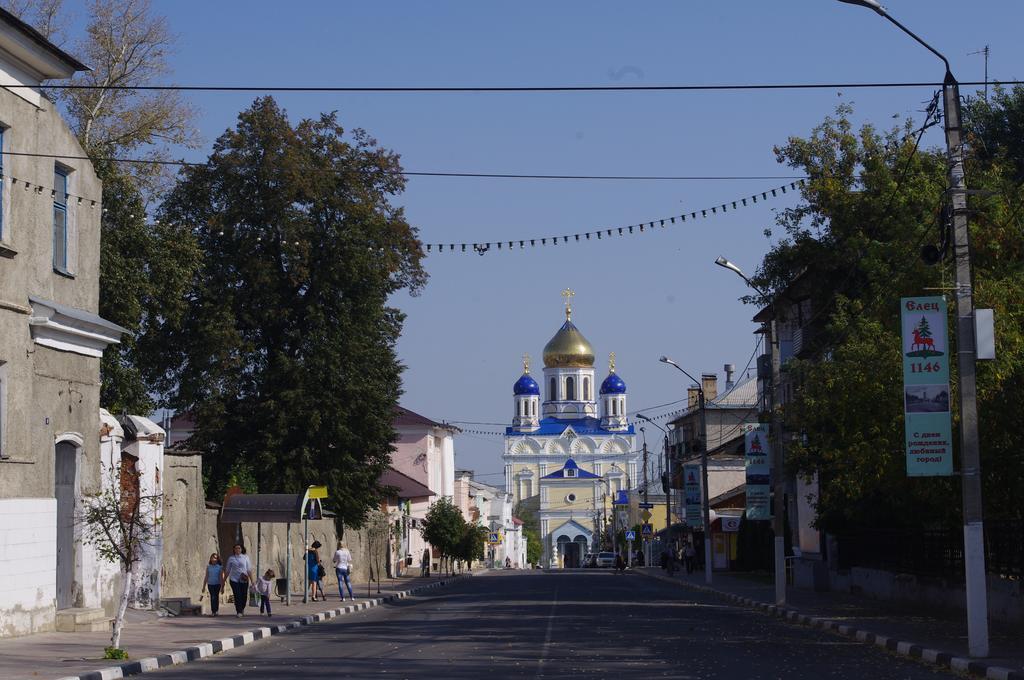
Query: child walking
[[263, 589]]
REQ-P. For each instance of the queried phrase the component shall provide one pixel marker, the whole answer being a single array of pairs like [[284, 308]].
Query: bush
[[114, 653]]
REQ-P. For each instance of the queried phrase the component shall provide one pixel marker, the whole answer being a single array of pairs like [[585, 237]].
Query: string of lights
[[638, 228], [41, 190]]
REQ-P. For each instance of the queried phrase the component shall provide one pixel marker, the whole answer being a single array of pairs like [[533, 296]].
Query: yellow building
[[572, 453]]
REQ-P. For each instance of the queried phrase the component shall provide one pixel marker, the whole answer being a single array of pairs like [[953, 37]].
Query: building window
[[597, 469], [570, 472], [3, 180], [570, 389], [586, 389], [3, 409], [60, 219], [552, 393]]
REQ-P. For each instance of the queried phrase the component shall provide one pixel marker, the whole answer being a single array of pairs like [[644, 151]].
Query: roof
[[743, 395], [406, 418], [40, 40], [571, 465], [581, 426], [404, 485], [263, 507]]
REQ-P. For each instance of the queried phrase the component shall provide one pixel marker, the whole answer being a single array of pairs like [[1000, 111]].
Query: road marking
[[547, 636]]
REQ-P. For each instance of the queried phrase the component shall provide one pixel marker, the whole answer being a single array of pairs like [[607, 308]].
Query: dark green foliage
[[853, 245], [444, 528], [526, 510], [145, 272], [286, 356]]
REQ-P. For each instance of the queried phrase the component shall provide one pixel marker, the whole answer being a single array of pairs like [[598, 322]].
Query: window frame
[[4, 454], [570, 388], [3, 181], [60, 206]]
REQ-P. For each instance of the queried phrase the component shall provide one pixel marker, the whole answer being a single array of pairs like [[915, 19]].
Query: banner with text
[[926, 387], [692, 493], [758, 468]]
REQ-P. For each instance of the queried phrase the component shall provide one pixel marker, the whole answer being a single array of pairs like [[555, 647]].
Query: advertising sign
[[758, 468], [929, 441], [692, 494]]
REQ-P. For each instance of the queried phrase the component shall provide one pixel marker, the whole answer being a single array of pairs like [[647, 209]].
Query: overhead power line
[[437, 173], [367, 89]]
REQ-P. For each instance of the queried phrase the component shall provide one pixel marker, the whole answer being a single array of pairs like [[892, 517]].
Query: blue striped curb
[[208, 649], [900, 647]]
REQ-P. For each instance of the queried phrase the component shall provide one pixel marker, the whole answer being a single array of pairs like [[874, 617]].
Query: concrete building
[[493, 508], [424, 452], [51, 340]]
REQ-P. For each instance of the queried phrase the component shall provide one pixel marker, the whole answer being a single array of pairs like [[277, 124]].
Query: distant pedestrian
[[264, 587], [690, 556], [239, 572], [620, 564], [425, 563], [342, 567], [213, 581], [313, 568]]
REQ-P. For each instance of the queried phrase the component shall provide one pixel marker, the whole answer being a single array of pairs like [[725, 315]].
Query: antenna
[[984, 51]]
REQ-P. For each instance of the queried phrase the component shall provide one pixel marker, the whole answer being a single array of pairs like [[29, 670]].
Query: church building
[[569, 455]]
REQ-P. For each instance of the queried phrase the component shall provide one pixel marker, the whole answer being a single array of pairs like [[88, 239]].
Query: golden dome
[[568, 349]]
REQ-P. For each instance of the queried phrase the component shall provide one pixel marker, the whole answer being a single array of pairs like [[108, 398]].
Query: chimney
[[691, 397], [710, 384], [730, 369]]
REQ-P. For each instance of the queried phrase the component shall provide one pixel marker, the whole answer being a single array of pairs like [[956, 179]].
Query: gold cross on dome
[[611, 362], [568, 294], [526, 363]]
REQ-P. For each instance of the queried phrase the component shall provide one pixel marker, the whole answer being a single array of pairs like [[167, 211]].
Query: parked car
[[589, 560], [606, 559]]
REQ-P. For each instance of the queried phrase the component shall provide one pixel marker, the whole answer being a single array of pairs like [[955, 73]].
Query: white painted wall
[[28, 571]]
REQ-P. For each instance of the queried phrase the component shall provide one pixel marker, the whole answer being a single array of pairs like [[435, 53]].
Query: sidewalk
[[937, 636], [161, 641]]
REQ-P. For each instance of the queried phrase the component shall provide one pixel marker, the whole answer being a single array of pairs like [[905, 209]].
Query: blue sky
[[641, 296]]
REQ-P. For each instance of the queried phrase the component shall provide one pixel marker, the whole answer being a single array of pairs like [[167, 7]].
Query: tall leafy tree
[[286, 356], [872, 200]]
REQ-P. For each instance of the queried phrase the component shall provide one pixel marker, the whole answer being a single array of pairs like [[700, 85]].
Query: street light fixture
[[667, 482], [974, 534], [778, 483], [705, 500]]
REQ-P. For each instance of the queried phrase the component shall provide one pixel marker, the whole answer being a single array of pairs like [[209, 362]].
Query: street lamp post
[[705, 496], [668, 484], [974, 535], [778, 483]]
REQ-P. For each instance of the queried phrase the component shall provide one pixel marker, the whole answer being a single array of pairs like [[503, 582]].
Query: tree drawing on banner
[[923, 345]]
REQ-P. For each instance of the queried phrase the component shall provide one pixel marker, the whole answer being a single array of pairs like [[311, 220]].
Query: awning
[[281, 508]]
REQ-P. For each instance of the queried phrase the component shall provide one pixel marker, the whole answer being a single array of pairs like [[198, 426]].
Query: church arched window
[[570, 389], [533, 408], [586, 389], [552, 392], [615, 407]]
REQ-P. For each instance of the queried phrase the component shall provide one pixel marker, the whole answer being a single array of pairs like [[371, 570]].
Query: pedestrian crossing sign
[[630, 535], [494, 537], [646, 530]]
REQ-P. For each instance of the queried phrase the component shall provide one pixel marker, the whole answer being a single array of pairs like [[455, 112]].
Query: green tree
[[470, 547], [286, 355], [526, 511], [871, 201], [444, 528]]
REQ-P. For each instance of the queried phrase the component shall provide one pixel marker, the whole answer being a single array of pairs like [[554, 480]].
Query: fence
[[934, 553]]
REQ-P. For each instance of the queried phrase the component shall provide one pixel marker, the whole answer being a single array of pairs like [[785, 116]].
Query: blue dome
[[613, 384], [526, 385]]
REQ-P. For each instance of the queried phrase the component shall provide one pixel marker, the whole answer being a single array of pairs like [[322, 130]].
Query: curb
[[900, 647], [208, 649]]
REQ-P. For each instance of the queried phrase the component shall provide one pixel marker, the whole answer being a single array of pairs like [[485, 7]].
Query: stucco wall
[[28, 555]]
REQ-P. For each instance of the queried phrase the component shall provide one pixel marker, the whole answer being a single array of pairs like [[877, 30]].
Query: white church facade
[[570, 449]]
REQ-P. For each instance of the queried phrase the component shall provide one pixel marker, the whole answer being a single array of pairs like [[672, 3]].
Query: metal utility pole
[[778, 476], [705, 495], [777, 457], [970, 458], [643, 541]]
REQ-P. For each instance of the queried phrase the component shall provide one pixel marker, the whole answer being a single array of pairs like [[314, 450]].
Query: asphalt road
[[588, 623]]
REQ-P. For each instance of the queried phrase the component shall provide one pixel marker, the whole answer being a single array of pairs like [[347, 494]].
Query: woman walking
[[213, 581], [239, 570]]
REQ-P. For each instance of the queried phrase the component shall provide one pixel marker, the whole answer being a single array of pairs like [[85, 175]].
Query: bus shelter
[[277, 508]]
